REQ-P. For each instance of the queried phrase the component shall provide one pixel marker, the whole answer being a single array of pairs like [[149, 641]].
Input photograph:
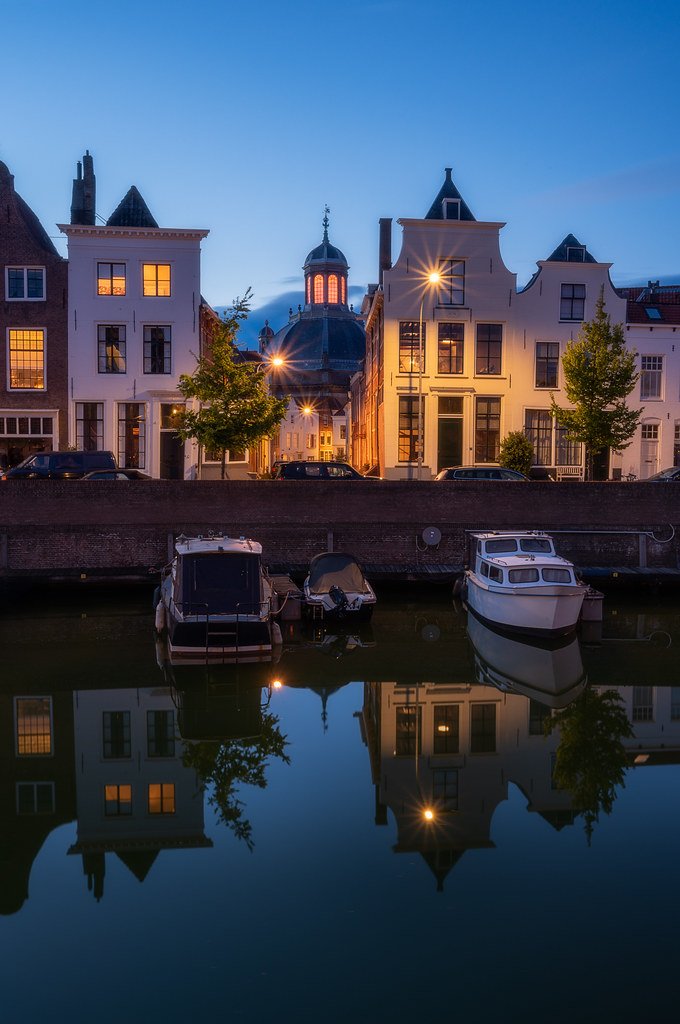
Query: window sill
[[27, 299]]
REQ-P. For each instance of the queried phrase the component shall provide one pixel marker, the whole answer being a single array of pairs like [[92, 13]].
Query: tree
[[591, 760], [599, 374], [517, 452], [234, 409]]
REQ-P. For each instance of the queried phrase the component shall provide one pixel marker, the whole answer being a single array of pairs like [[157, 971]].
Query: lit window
[[110, 279], [111, 348], [26, 360], [343, 290], [156, 279], [572, 301], [33, 726], [24, 283], [161, 798], [318, 288], [309, 290], [651, 370], [446, 728], [117, 800], [333, 288]]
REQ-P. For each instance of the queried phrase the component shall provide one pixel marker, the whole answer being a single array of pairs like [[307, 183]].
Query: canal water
[[421, 820]]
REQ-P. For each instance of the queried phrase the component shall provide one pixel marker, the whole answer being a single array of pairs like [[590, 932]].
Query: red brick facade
[[34, 417]]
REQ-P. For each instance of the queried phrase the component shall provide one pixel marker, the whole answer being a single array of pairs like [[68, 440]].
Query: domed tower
[[264, 338], [325, 272]]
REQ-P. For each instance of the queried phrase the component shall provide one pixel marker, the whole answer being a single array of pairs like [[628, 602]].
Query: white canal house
[[490, 355]]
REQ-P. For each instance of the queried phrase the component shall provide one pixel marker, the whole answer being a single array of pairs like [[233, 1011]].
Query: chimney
[[83, 199], [385, 255]]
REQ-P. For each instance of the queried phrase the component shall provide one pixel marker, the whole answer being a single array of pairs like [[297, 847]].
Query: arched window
[[309, 289], [343, 293], [318, 287], [333, 288]]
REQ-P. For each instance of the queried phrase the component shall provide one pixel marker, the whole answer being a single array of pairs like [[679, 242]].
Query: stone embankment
[[57, 529]]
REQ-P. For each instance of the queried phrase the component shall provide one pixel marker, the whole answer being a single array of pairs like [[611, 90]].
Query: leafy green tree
[[591, 761], [517, 452], [234, 409], [599, 374], [223, 766]]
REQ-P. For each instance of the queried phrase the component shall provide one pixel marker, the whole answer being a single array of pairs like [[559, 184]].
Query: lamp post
[[432, 279]]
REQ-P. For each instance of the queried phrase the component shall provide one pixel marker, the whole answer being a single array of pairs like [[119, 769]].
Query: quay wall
[[72, 528]]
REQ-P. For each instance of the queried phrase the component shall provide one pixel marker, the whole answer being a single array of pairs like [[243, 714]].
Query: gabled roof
[[570, 250], [652, 305], [132, 212], [31, 222], [448, 191]]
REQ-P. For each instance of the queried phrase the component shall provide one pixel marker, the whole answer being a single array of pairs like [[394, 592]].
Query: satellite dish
[[431, 535], [430, 633]]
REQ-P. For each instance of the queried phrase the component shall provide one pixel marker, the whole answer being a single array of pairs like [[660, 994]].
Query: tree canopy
[[234, 410], [517, 452], [599, 374]]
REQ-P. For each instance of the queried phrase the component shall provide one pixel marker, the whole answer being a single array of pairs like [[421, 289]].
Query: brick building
[[33, 332]]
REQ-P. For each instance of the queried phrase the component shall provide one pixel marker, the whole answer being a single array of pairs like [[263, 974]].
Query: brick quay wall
[[73, 528]]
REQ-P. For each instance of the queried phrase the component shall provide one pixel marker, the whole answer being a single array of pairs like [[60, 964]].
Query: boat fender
[[159, 618], [156, 597], [458, 586], [277, 637]]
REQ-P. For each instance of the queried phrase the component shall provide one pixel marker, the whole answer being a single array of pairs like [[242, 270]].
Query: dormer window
[[576, 254], [451, 209]]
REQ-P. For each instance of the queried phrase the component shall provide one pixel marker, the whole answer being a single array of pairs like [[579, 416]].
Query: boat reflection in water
[[547, 671]]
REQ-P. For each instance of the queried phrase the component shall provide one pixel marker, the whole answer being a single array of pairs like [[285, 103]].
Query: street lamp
[[432, 279], [275, 363]]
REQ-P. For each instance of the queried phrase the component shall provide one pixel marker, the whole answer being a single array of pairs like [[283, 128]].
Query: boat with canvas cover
[[337, 588]]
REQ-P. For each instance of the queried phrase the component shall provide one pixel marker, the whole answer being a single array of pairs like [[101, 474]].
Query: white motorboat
[[337, 588], [520, 584], [216, 601], [548, 671]]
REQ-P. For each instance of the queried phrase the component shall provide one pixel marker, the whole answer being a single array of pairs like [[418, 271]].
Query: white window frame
[[25, 297], [650, 373], [453, 204]]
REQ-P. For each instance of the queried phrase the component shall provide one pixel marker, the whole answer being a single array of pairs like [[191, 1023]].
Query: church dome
[[323, 343], [326, 253]]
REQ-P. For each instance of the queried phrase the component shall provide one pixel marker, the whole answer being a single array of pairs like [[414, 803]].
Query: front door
[[172, 456], [449, 433]]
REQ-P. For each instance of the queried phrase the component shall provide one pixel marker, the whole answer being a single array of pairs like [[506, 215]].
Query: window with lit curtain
[[309, 289], [26, 360], [343, 290], [161, 796], [318, 287], [33, 720], [156, 279], [333, 288]]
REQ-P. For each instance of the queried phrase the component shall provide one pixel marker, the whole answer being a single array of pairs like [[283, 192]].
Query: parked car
[[316, 471], [667, 475], [479, 473], [60, 465], [117, 474]]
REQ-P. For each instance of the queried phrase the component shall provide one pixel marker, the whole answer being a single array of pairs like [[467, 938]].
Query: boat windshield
[[498, 547], [536, 546], [221, 583]]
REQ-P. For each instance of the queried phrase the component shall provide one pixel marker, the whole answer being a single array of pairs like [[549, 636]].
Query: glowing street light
[[267, 365], [432, 279]]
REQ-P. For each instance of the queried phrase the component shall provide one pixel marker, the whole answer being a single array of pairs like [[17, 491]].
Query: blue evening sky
[[246, 118]]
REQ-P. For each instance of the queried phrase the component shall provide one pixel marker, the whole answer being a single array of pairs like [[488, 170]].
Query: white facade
[[134, 327], [492, 356]]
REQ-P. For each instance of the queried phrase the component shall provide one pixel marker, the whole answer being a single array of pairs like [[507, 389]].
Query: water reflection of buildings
[[134, 795], [454, 750]]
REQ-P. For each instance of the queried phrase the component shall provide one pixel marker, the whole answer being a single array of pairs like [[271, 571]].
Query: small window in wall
[[572, 301], [26, 359], [408, 729], [651, 374], [33, 725], [24, 283], [111, 348], [410, 350], [156, 279], [446, 728], [487, 429], [333, 288], [132, 435], [161, 797], [576, 254], [482, 728], [547, 361], [116, 734], [160, 733], [408, 428], [489, 349], [117, 800], [450, 347], [90, 426], [445, 787], [110, 279], [451, 288], [643, 703], [157, 349], [451, 209], [318, 288], [650, 431], [35, 798]]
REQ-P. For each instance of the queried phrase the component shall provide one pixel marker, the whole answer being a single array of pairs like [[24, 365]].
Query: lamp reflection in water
[[432, 279]]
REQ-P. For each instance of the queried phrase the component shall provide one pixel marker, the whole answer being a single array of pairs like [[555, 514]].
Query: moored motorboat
[[520, 584], [337, 588], [216, 601]]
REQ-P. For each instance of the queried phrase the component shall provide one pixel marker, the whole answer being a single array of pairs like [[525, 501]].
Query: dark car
[[316, 471], [60, 465], [666, 475], [479, 473], [117, 474]]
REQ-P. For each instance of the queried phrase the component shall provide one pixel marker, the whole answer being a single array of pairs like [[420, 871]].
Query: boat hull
[[535, 611]]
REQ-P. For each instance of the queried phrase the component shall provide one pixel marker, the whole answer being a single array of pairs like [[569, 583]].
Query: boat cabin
[[513, 559], [218, 576]]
